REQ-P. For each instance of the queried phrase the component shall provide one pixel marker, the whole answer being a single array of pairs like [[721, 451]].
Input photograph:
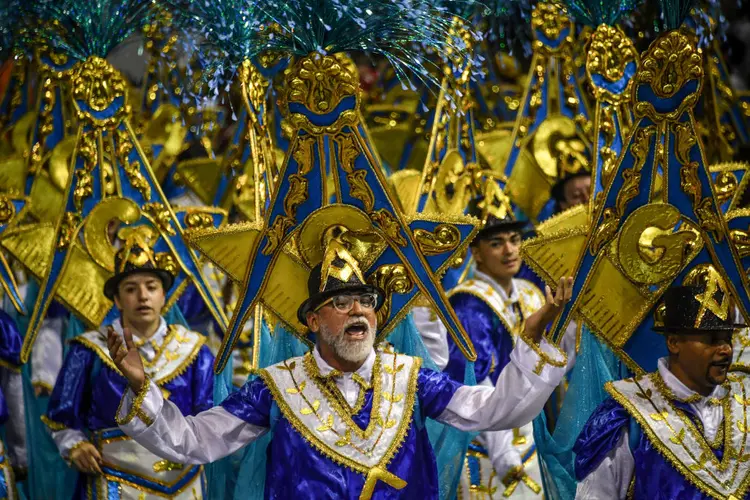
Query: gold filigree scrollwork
[[84, 188], [445, 238], [392, 278], [606, 153], [610, 51], [357, 179], [46, 123], [629, 190], [7, 210], [97, 85], [297, 194], [197, 219], [741, 240], [725, 186], [132, 169], [390, 226], [253, 83], [320, 82], [667, 66], [160, 216], [690, 182], [276, 233], [166, 261], [550, 19], [68, 228]]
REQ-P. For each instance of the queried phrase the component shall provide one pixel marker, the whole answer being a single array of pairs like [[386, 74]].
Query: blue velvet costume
[[10, 358], [654, 477], [492, 341], [88, 392], [309, 473]]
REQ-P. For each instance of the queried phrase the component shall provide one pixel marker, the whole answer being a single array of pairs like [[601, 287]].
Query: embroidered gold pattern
[[135, 407], [375, 473]]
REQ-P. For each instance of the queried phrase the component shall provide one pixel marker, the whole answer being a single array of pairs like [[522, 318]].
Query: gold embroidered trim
[[135, 408], [9, 366], [729, 452], [42, 385], [52, 425], [544, 358], [339, 403], [322, 447], [116, 479], [179, 370]]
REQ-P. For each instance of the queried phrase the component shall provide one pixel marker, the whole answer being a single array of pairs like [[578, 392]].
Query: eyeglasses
[[344, 303]]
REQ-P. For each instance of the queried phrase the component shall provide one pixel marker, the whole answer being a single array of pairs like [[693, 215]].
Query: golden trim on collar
[[299, 386], [707, 460]]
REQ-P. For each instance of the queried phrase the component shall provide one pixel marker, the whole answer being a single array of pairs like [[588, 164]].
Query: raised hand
[[537, 322], [86, 458], [126, 358]]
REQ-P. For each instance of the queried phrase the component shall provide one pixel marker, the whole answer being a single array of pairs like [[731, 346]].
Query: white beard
[[354, 351]]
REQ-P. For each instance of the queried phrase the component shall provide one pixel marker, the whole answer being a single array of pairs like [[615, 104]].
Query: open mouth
[[357, 331], [721, 365], [144, 309]]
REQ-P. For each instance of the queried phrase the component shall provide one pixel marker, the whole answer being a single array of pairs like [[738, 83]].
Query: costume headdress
[[108, 178], [552, 113], [322, 102], [659, 220], [693, 309], [137, 256]]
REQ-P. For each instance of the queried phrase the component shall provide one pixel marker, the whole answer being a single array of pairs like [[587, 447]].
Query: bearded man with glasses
[[347, 417]]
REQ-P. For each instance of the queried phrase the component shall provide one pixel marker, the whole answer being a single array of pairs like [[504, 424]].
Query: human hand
[[86, 458], [126, 358], [537, 322]]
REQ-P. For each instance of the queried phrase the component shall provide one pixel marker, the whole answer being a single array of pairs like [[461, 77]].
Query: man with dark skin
[[644, 440], [348, 388]]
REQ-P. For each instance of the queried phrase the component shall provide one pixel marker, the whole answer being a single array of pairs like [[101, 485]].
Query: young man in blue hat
[[346, 417], [84, 402], [680, 432]]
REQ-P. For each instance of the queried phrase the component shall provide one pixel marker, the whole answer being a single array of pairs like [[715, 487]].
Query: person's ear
[[312, 322], [673, 344], [476, 254]]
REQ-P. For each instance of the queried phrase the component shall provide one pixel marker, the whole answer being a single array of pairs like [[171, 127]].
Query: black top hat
[[492, 224], [136, 256], [333, 286], [690, 309]]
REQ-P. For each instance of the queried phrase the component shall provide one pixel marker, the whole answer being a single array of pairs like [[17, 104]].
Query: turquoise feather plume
[[393, 29], [84, 28], [674, 12], [596, 12], [11, 13]]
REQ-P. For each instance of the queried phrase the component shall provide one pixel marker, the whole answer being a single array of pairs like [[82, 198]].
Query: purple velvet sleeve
[[493, 344], [435, 390], [599, 436], [10, 340], [203, 381], [252, 403], [69, 397]]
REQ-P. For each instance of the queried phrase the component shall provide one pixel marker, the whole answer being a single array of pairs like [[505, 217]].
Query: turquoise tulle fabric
[[595, 365], [49, 476], [449, 444]]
